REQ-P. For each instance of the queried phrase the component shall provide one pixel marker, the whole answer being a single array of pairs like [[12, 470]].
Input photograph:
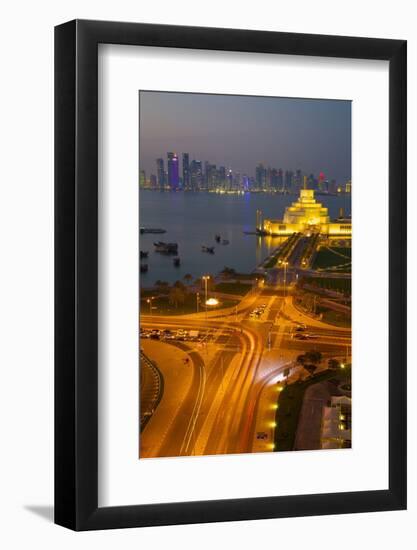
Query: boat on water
[[143, 268], [166, 248], [217, 238], [143, 254], [208, 249], [152, 230], [177, 262], [225, 241]]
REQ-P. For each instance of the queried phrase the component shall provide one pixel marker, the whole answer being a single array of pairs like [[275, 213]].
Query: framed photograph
[[230, 335]]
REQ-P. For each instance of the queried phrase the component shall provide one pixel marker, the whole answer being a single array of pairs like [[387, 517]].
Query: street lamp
[[285, 276], [205, 279], [212, 302], [149, 301]]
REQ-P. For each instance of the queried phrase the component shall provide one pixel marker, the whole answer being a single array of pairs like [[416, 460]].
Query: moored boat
[[166, 248], [151, 230]]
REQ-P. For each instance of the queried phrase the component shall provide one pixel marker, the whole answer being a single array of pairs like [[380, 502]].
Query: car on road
[[262, 435], [300, 336]]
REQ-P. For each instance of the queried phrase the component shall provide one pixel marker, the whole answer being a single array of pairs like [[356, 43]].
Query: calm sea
[[193, 220]]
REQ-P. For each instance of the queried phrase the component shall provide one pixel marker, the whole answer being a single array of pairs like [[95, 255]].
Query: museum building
[[305, 214]]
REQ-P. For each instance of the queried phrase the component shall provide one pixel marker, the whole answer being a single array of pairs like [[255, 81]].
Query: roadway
[[234, 366]]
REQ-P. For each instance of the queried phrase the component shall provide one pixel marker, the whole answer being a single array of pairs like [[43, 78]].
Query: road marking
[[194, 415]]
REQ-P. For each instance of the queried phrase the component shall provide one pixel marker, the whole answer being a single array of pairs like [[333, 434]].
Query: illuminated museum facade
[[305, 214]]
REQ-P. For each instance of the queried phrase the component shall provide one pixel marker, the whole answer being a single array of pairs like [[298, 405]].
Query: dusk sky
[[239, 132]]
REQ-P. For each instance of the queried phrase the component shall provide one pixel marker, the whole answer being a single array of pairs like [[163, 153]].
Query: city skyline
[[313, 135], [175, 171]]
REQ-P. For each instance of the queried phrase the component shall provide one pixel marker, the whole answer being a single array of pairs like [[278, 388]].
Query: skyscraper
[[160, 173], [280, 180], [288, 180], [211, 176], [320, 184], [260, 176], [173, 171], [298, 180], [221, 175], [196, 175], [186, 171]]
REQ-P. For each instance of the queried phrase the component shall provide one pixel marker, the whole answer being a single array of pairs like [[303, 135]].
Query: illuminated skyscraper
[[186, 171], [211, 176], [288, 183], [196, 175], [160, 172], [221, 176], [320, 184], [173, 171], [280, 180], [298, 180], [260, 176]]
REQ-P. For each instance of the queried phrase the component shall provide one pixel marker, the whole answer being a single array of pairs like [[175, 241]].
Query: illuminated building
[[298, 180], [260, 175], [196, 175], [288, 182], [280, 180], [320, 185], [186, 171], [160, 173], [173, 171], [305, 214], [142, 178]]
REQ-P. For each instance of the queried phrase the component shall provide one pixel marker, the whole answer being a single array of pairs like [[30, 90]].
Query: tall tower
[[196, 175], [186, 171], [160, 173], [173, 171]]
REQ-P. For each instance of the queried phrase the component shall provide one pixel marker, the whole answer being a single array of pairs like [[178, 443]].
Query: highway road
[[238, 358]]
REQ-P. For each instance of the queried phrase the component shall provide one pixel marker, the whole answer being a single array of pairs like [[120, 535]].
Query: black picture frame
[[76, 272]]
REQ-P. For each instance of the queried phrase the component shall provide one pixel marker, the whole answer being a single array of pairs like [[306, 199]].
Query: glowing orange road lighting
[[212, 302], [273, 424], [342, 365], [280, 388], [275, 406], [272, 446]]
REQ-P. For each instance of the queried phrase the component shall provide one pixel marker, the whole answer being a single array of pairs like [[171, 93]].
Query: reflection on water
[[194, 219]]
